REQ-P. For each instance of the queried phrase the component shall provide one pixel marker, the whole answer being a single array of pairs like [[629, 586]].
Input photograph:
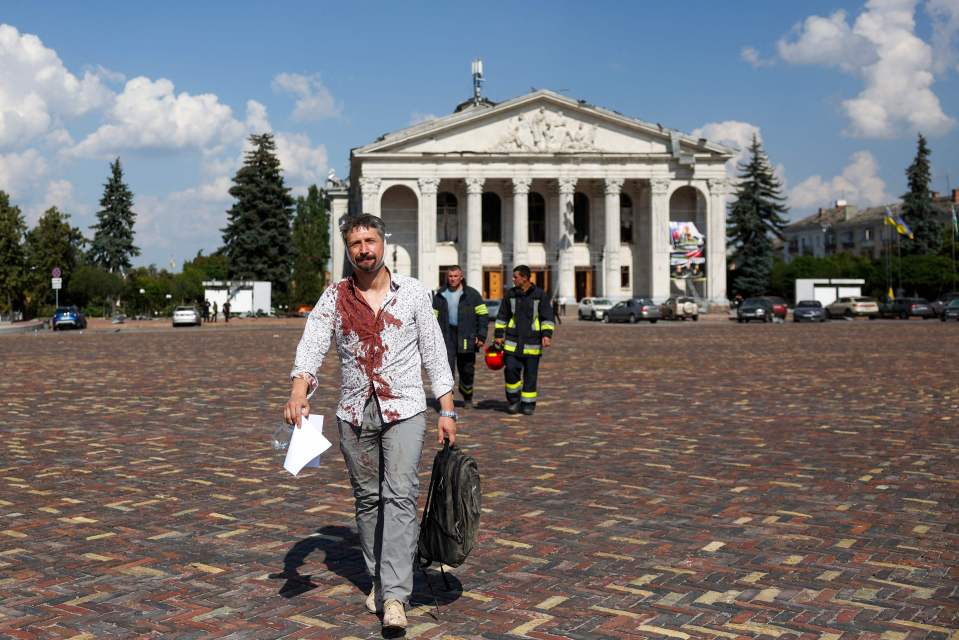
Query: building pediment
[[541, 123]]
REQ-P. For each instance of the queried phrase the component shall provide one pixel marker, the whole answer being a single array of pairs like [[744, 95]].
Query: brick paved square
[[705, 480]]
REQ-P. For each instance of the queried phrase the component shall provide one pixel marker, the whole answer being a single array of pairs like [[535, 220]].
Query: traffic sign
[[56, 283], [56, 272]]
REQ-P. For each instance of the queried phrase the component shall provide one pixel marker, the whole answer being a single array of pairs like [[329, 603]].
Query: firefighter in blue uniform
[[464, 319], [524, 327]]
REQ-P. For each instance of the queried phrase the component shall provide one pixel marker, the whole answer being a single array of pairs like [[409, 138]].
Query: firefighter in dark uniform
[[524, 327], [464, 319]]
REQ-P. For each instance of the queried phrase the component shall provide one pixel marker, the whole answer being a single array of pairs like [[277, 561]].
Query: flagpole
[[899, 259]]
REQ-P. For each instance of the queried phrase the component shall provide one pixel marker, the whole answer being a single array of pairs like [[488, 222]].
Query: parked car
[[951, 312], [808, 310], [939, 304], [780, 308], [633, 311], [593, 308], [68, 318], [755, 309], [186, 315], [679, 308], [905, 308], [852, 306]]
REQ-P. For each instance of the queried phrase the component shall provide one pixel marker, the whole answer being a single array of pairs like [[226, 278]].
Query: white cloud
[[59, 194], [21, 172], [303, 164], [945, 29], [859, 184], [731, 133], [256, 119], [37, 91], [894, 64], [418, 117], [752, 56], [148, 115], [314, 100]]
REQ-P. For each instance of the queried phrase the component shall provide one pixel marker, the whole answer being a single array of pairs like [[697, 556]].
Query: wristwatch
[[450, 414]]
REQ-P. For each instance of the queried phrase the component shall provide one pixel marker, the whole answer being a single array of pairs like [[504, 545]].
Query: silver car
[[593, 308], [186, 316]]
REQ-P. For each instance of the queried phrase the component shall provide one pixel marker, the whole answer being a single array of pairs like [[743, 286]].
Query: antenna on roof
[[477, 80]]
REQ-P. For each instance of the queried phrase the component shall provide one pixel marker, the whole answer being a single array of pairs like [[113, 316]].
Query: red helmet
[[494, 357]]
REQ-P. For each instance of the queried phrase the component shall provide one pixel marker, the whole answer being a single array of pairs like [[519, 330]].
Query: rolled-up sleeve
[[432, 347], [316, 338]]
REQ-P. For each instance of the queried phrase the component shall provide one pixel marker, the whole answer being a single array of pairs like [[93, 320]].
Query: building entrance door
[[492, 284], [584, 283], [540, 277]]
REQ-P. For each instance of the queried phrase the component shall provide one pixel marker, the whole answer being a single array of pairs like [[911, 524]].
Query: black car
[[906, 308], [755, 309], [633, 311], [939, 304], [951, 312], [809, 311]]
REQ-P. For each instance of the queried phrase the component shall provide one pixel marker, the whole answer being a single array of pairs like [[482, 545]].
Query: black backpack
[[452, 512]]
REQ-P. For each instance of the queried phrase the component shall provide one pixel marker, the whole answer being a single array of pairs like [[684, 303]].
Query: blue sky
[[836, 90]]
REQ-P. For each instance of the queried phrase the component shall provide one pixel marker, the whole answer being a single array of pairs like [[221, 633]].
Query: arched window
[[580, 218], [447, 219], [492, 220], [625, 218], [536, 217]]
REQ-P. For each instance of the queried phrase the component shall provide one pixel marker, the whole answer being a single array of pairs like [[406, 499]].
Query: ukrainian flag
[[903, 228]]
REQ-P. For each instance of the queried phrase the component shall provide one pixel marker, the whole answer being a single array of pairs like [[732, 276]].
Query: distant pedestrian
[[464, 320], [214, 311], [524, 327], [206, 311], [562, 305], [556, 310], [226, 311]]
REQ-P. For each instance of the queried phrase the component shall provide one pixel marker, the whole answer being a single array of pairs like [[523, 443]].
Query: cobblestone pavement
[[708, 480]]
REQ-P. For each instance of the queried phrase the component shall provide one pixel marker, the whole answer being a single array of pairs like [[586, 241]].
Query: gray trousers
[[383, 460]]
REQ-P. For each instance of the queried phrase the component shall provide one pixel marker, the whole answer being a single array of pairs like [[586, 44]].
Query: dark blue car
[[68, 318]]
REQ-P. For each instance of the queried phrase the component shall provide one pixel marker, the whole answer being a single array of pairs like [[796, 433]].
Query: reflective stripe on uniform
[[436, 313], [547, 326], [516, 386], [511, 323], [532, 351], [481, 310], [499, 325], [466, 390], [465, 344], [528, 396], [510, 345]]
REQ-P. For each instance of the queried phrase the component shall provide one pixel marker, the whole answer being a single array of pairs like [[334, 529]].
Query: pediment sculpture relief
[[545, 131]]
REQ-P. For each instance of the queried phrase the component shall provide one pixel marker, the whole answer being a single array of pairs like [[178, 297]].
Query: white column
[[719, 188], [339, 208], [521, 220], [611, 248], [474, 232], [370, 188], [426, 242], [659, 239], [567, 278]]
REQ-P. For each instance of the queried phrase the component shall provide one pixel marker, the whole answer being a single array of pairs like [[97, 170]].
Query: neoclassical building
[[581, 194]]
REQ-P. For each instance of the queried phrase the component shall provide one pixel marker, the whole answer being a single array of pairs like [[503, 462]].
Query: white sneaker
[[394, 615], [374, 599]]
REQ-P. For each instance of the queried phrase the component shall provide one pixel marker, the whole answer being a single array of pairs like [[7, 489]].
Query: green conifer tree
[[311, 247], [755, 217], [917, 209], [257, 236], [12, 257], [112, 245]]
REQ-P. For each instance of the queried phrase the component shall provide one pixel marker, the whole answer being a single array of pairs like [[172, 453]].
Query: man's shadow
[[342, 555]]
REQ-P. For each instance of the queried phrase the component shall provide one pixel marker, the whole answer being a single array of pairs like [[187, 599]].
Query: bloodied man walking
[[385, 334]]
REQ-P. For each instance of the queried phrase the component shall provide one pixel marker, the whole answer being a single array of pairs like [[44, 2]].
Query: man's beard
[[376, 265]]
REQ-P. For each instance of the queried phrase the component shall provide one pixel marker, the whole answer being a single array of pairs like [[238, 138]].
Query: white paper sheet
[[306, 445]]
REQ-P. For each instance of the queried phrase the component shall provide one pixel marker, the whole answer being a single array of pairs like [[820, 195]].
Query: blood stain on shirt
[[356, 316]]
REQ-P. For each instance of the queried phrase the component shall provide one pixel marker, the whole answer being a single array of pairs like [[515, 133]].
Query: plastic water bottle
[[281, 437]]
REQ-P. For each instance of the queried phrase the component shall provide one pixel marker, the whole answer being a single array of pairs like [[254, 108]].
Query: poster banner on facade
[[687, 250]]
